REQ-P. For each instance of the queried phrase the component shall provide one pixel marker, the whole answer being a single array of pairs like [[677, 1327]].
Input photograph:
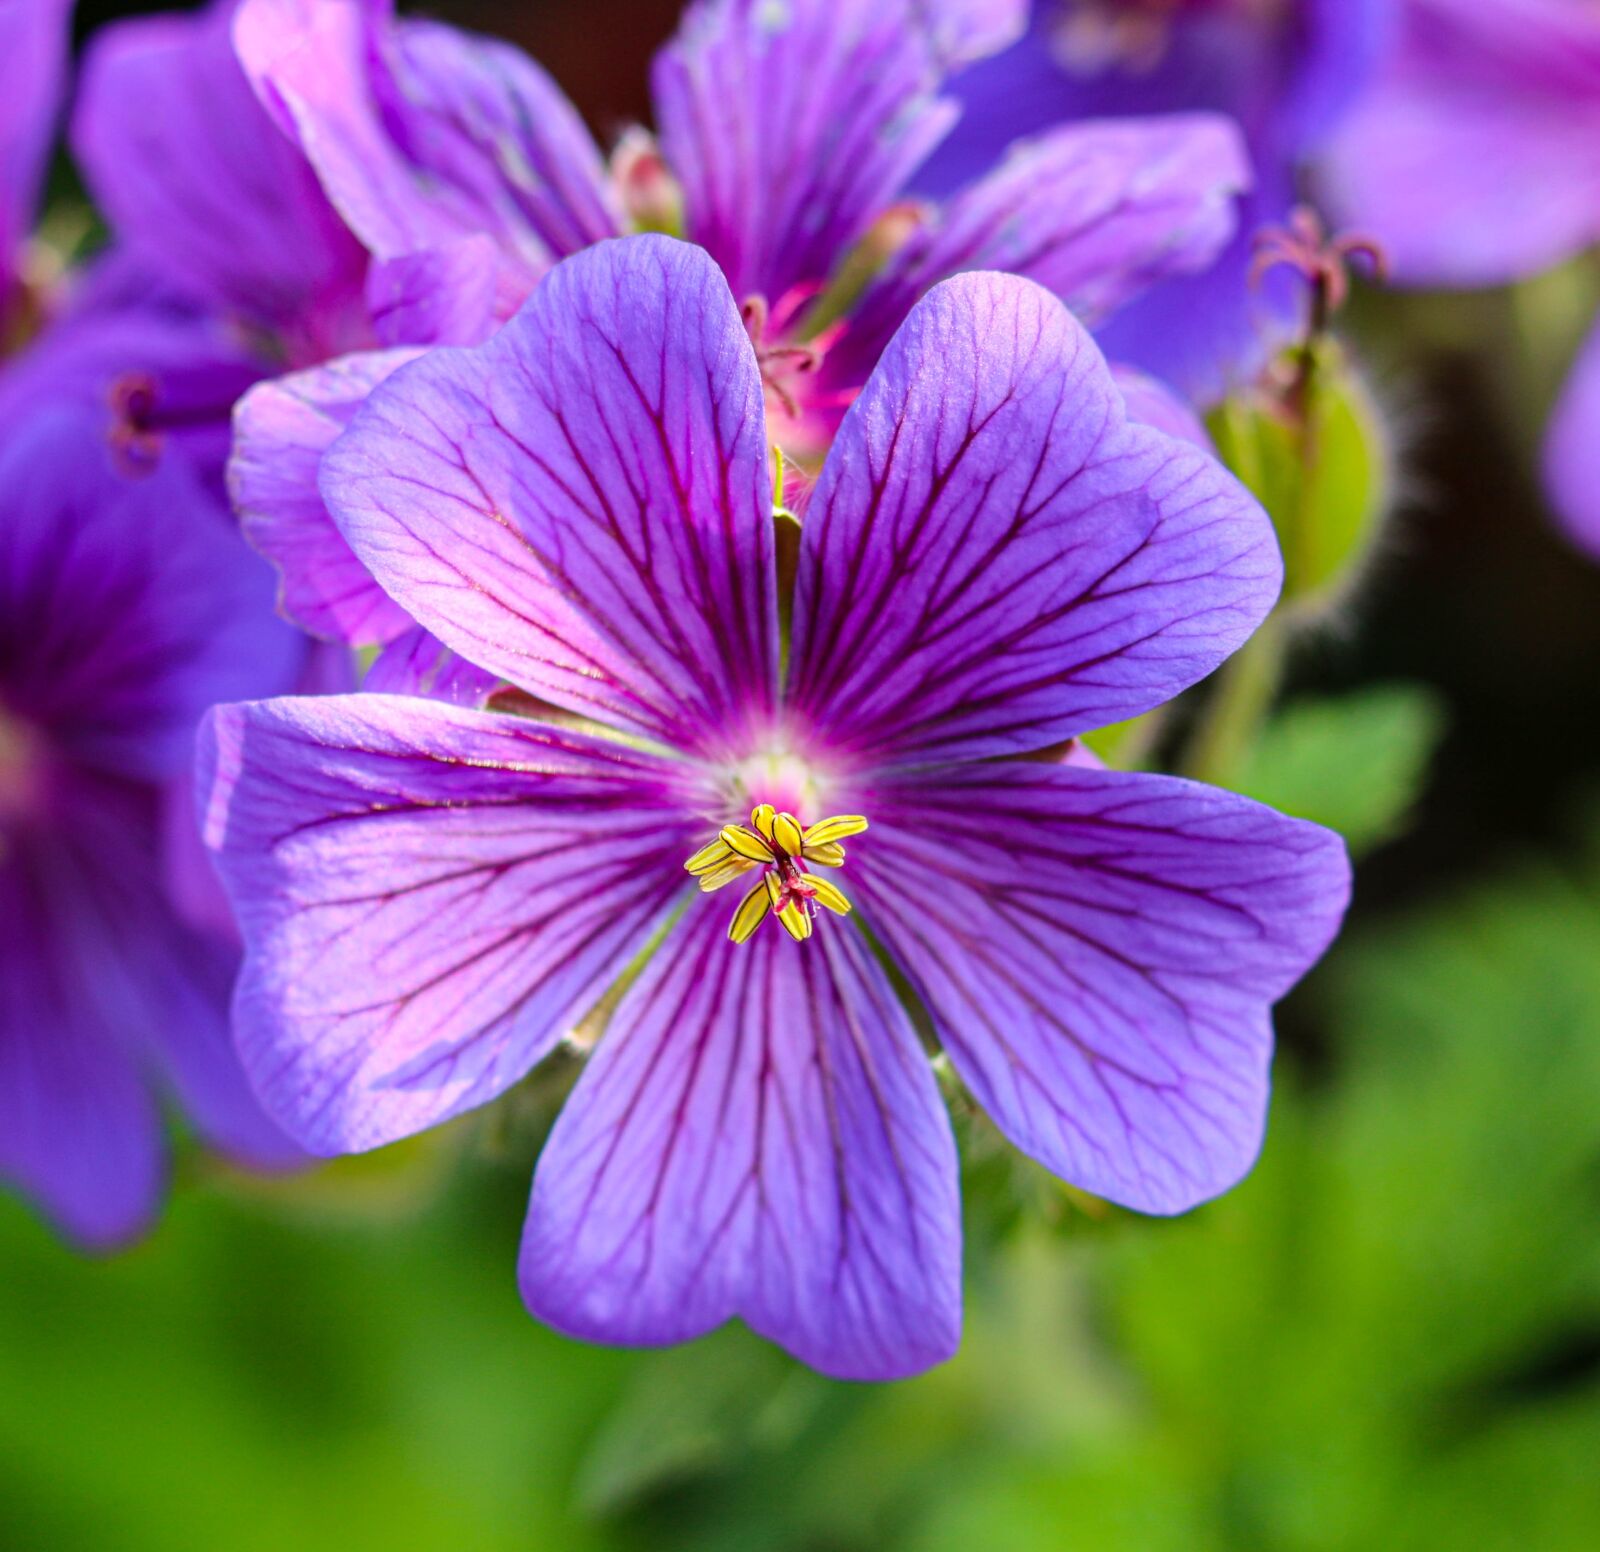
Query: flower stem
[[1233, 717]]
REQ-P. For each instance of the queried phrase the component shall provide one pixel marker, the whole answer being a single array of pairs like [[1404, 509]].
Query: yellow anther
[[783, 855], [795, 922], [828, 855], [839, 827], [750, 915], [827, 895], [787, 833], [708, 857], [747, 843], [714, 878]]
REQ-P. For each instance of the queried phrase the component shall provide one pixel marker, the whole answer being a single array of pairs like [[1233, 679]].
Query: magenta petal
[[1572, 450], [430, 898], [996, 559], [424, 135], [1099, 951], [34, 38], [792, 127], [583, 505], [1095, 212], [281, 430], [758, 1135], [186, 164]]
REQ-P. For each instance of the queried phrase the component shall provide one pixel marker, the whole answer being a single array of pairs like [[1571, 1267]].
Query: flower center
[[782, 851]]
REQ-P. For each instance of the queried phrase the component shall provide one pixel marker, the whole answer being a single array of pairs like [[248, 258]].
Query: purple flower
[[195, 178], [994, 560], [33, 43], [1285, 72], [1475, 159], [791, 133], [127, 607]]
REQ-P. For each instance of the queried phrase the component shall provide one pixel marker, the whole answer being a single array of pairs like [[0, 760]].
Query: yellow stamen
[[829, 896], [750, 915], [708, 857], [795, 922], [837, 828], [715, 878], [782, 851], [747, 843], [787, 833], [828, 855]]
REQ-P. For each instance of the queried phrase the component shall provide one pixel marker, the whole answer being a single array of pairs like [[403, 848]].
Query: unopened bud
[[650, 194], [1311, 444]]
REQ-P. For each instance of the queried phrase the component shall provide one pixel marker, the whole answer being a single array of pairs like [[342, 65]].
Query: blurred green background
[[1389, 1337]]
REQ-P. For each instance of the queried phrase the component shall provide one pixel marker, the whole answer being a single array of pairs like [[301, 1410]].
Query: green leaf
[[1355, 763]]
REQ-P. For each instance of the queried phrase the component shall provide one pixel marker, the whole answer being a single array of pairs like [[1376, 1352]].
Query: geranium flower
[[127, 607], [994, 560], [789, 134], [1284, 70], [1475, 159]]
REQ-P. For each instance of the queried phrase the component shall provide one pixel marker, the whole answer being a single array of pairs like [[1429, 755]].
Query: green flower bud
[[1311, 444]]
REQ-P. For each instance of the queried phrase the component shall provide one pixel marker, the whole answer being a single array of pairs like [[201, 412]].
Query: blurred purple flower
[[127, 607], [1285, 70], [994, 560], [791, 132], [196, 180], [1475, 159]]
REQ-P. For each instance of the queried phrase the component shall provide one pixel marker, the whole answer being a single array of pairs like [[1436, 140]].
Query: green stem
[[1245, 689]]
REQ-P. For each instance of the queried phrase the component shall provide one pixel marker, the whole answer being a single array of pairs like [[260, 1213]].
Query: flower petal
[[191, 369], [1475, 158], [995, 559], [1212, 333], [759, 1135], [281, 430], [964, 30], [101, 993], [1152, 403], [423, 135], [1572, 449], [78, 1132], [792, 127], [183, 160], [583, 505], [455, 294], [1099, 951], [1094, 212], [416, 663], [34, 37], [128, 605], [430, 897]]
